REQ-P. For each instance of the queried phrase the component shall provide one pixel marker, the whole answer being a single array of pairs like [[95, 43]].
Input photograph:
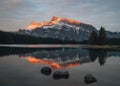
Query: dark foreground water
[[22, 66]]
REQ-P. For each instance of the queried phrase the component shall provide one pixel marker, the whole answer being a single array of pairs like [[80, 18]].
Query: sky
[[16, 14]]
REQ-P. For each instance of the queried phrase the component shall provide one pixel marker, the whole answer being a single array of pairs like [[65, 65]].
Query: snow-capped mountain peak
[[54, 20], [60, 28]]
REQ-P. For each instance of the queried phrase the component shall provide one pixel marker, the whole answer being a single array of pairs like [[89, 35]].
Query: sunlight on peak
[[54, 20]]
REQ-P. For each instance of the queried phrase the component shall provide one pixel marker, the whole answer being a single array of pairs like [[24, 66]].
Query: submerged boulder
[[46, 71], [60, 75], [89, 79]]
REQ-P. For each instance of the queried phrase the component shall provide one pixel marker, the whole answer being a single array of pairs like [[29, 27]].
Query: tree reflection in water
[[101, 54]]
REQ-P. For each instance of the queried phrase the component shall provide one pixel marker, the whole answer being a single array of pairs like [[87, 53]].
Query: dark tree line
[[100, 38], [113, 41], [14, 38], [96, 38]]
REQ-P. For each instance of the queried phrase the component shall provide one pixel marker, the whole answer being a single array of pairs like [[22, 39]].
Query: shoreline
[[103, 46], [61, 46]]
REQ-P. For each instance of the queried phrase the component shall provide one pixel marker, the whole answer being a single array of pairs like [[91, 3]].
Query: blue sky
[[15, 14]]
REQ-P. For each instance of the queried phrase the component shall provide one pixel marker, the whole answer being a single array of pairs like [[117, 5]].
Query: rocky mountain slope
[[63, 29]]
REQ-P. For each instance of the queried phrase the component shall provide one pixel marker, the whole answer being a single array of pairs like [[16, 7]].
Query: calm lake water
[[21, 66]]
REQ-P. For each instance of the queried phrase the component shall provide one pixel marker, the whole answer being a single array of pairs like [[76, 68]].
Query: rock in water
[[60, 75], [46, 71], [89, 79]]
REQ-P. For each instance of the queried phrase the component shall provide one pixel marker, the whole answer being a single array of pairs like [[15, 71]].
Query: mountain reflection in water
[[52, 64], [73, 66], [60, 57]]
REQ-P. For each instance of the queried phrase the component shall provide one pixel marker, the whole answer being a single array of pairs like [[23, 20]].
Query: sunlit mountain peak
[[71, 21], [54, 20], [33, 25]]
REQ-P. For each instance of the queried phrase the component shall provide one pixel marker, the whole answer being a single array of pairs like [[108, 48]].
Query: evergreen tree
[[102, 36], [93, 38]]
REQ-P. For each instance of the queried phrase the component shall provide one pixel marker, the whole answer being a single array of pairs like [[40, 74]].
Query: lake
[[23, 65]]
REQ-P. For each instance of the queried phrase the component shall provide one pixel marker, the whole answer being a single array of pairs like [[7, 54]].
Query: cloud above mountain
[[17, 13]]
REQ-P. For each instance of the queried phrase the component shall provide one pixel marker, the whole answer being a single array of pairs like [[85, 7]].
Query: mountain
[[113, 34], [63, 29], [60, 28]]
